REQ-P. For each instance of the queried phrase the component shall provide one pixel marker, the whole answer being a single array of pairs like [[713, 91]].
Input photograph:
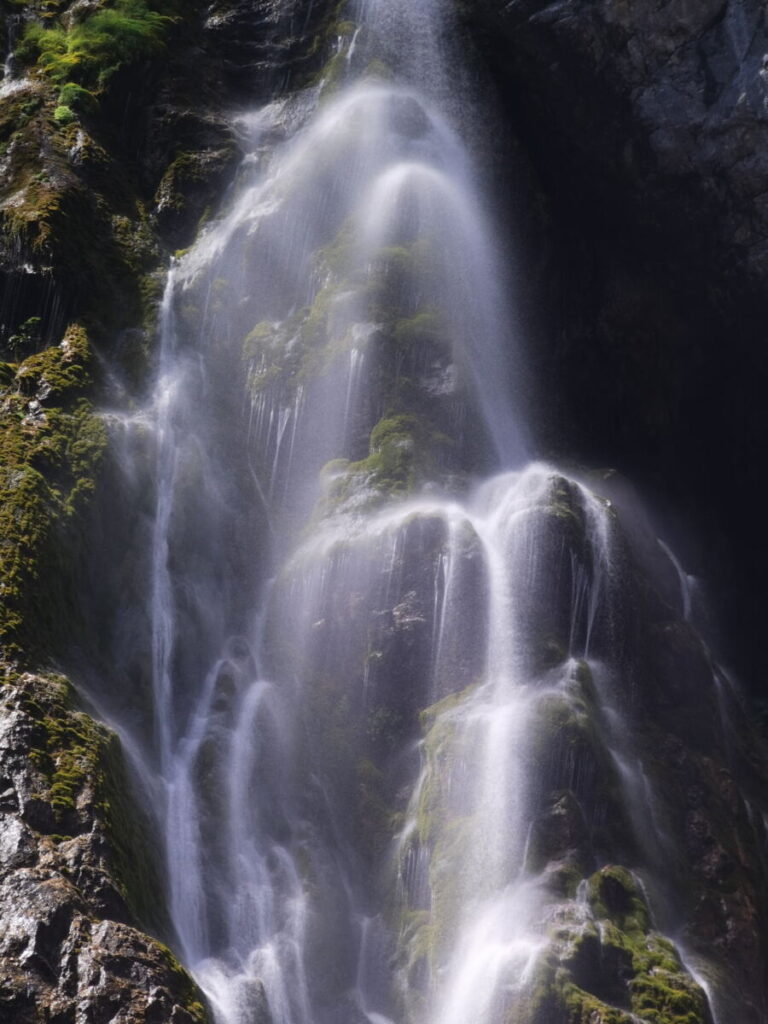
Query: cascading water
[[370, 673]]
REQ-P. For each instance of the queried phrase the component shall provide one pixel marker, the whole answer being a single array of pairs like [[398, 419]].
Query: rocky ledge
[[75, 873]]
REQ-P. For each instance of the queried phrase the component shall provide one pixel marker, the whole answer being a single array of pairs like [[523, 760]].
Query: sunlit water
[[299, 621]]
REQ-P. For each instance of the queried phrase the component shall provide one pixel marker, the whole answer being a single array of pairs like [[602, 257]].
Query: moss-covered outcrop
[[637, 825], [76, 871], [372, 332], [52, 444], [607, 965]]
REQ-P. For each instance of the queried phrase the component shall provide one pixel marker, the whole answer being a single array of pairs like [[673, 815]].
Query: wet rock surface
[[684, 112], [76, 873], [645, 126]]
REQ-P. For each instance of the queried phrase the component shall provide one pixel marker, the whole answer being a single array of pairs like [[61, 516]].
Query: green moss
[[583, 1008], [635, 971], [564, 502], [280, 355], [63, 115], [609, 978], [75, 233], [51, 445], [135, 855], [334, 259], [333, 470], [378, 69], [192, 177], [333, 74], [404, 451], [90, 51], [613, 894], [418, 939], [309, 343], [425, 327], [77, 98], [395, 272], [81, 774], [661, 991], [75, 216], [25, 339], [385, 298], [441, 834], [188, 991], [603, 963], [334, 36], [86, 782]]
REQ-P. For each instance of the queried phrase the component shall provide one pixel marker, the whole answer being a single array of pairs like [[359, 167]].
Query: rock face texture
[[682, 113], [646, 126], [76, 873]]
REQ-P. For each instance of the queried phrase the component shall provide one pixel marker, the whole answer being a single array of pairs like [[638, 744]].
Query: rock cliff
[[642, 129], [646, 125]]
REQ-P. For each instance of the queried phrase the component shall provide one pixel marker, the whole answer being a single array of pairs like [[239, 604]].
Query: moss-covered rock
[[91, 45], [405, 452], [192, 181], [51, 444], [76, 868], [606, 964]]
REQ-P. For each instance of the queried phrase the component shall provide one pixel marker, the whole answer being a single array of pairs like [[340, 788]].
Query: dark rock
[[645, 128], [69, 903]]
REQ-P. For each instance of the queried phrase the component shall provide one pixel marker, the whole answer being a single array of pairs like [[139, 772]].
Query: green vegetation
[[22, 342], [403, 449], [333, 36], [51, 445], [63, 115], [406, 445], [624, 970], [610, 970], [92, 50], [188, 991], [76, 769], [81, 776], [77, 98], [443, 830]]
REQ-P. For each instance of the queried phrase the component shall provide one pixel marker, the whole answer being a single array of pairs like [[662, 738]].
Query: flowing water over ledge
[[392, 659]]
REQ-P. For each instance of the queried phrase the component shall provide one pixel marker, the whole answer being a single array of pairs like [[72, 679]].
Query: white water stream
[[332, 857]]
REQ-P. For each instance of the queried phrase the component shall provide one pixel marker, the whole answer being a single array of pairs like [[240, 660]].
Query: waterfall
[[392, 752], [10, 82]]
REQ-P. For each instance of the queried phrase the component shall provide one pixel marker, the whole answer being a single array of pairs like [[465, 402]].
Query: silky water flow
[[372, 617]]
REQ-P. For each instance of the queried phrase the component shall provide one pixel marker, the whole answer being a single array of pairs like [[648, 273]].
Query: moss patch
[[51, 445], [83, 780], [405, 450], [89, 50]]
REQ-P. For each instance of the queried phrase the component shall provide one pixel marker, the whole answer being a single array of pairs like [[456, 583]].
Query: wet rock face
[[640, 829], [685, 110], [259, 41], [646, 126], [72, 877]]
